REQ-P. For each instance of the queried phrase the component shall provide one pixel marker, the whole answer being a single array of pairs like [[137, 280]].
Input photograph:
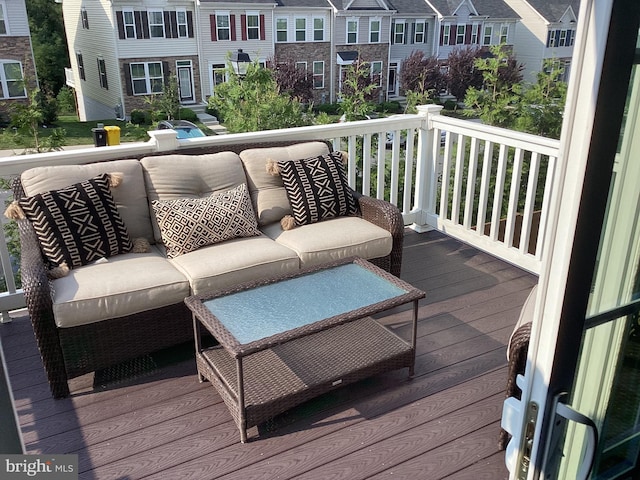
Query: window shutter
[[168, 27], [441, 34], [137, 17], [262, 32], [406, 33], [232, 22], [174, 24], [453, 34], [557, 37], [214, 34], [243, 26], [190, 24], [467, 34], [120, 22], [393, 33], [413, 32], [426, 33], [145, 25], [128, 85], [165, 72]]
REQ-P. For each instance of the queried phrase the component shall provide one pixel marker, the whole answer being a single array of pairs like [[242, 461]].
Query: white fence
[[484, 185]]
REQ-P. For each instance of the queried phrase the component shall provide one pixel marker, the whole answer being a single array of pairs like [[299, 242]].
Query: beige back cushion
[[168, 177], [267, 191], [130, 196]]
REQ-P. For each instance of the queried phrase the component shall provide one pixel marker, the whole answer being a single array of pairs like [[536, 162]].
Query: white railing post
[[426, 170]]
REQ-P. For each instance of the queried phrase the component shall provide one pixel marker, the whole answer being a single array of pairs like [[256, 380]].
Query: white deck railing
[[484, 185]]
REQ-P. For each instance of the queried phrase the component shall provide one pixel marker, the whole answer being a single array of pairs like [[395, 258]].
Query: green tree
[[28, 118], [254, 103], [358, 91], [421, 79], [497, 102], [543, 102], [165, 105], [49, 43], [462, 72], [296, 82]]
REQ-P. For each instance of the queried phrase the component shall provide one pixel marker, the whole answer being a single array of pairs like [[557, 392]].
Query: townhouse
[[122, 51], [16, 55], [547, 31]]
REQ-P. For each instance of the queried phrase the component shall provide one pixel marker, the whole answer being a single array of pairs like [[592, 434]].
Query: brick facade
[[375, 52], [309, 52], [19, 49], [132, 102]]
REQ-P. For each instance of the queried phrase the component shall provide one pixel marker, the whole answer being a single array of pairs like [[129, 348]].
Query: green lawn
[[79, 133]]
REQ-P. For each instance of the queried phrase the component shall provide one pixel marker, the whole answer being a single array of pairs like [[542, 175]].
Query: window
[[146, 78], [563, 38], [219, 74], [80, 62], [420, 35], [223, 27], [318, 29], [376, 73], [253, 26], [301, 29], [504, 33], [488, 34], [398, 32], [102, 73], [301, 66], [281, 29], [374, 30], [156, 23], [460, 31], [475, 33], [11, 80], [181, 21], [318, 74], [352, 31], [84, 18], [3, 21], [446, 34], [129, 24]]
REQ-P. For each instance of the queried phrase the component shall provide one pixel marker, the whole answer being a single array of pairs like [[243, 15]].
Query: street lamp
[[240, 62]]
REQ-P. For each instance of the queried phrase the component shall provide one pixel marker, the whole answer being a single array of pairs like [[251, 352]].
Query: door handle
[[565, 411]]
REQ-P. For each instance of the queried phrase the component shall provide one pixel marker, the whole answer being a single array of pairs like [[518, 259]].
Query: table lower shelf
[[289, 374]]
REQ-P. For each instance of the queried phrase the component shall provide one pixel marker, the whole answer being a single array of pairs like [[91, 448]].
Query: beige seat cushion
[[526, 314], [169, 177], [230, 263], [267, 191], [130, 196], [333, 239], [119, 286]]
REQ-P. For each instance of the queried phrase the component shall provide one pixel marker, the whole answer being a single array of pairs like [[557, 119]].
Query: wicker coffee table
[[286, 340]]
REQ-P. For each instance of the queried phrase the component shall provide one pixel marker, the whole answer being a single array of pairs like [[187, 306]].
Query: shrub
[[328, 108], [450, 105], [389, 107], [66, 102], [140, 117], [187, 114]]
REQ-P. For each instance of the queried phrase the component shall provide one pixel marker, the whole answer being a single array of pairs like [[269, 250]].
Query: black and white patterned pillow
[[317, 188], [77, 224], [187, 224]]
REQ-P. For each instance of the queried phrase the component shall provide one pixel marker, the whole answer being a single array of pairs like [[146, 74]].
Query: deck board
[[443, 423]]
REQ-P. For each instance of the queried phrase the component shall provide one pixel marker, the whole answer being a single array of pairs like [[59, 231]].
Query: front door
[[392, 83], [580, 409], [185, 81]]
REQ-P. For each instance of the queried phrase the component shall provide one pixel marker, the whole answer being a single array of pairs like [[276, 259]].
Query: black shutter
[[145, 25], [120, 22], [190, 23], [406, 33], [165, 73], [168, 30], [413, 32], [137, 15], [393, 33], [173, 21], [127, 79]]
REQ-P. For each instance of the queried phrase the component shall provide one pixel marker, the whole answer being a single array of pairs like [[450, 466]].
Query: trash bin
[[99, 136], [113, 135]]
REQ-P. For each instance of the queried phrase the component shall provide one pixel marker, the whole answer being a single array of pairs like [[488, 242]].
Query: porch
[[152, 419]]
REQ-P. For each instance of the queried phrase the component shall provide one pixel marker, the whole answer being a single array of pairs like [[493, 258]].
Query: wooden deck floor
[[444, 423]]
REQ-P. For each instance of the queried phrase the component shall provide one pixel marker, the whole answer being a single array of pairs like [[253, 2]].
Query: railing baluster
[[444, 184], [366, 165], [529, 203], [514, 194], [458, 179], [395, 167], [498, 194], [408, 171], [546, 201], [483, 198], [469, 202], [382, 151]]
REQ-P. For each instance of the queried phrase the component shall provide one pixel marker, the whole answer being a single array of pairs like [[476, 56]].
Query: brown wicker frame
[[291, 367], [70, 352]]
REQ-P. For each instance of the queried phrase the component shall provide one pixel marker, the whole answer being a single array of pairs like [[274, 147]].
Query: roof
[[343, 4], [411, 7], [553, 11], [489, 8], [303, 3], [265, 2]]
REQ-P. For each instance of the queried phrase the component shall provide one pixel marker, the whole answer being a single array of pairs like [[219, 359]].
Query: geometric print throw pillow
[[187, 224], [77, 224], [317, 188]]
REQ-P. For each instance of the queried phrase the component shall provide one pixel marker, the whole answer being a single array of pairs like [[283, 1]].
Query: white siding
[[17, 22], [399, 52], [98, 41], [340, 27]]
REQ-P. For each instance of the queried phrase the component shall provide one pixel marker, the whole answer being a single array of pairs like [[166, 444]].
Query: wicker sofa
[[128, 305]]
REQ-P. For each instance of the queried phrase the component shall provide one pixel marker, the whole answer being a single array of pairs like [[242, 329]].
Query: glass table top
[[268, 310]]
